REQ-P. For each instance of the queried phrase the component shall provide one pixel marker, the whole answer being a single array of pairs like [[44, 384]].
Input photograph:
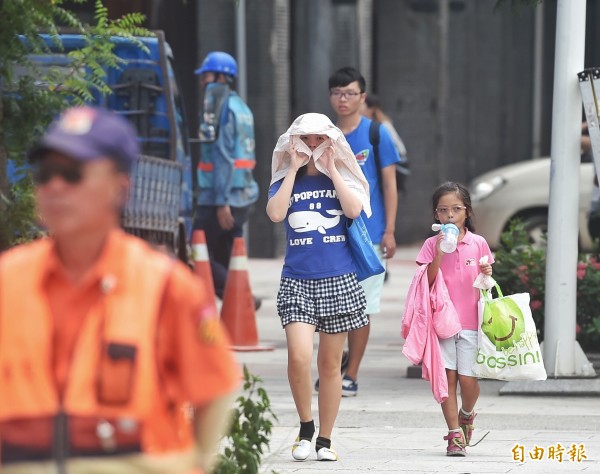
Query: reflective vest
[[214, 156], [113, 382]]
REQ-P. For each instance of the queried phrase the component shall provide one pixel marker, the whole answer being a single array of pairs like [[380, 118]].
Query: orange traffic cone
[[201, 261], [237, 312]]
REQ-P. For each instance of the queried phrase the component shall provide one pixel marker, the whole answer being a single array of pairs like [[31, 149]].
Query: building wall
[[268, 97], [457, 121], [463, 106], [460, 96], [268, 89]]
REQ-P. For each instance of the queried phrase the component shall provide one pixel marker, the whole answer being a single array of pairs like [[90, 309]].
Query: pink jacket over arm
[[429, 315]]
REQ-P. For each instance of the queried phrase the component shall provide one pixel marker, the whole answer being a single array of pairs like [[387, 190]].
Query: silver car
[[522, 190]]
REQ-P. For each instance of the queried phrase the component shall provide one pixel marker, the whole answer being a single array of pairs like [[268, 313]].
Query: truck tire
[[182, 247], [536, 227]]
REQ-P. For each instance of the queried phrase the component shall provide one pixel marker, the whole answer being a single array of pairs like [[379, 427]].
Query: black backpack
[[402, 168]]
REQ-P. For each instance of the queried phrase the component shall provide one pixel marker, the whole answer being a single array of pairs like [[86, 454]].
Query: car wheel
[[536, 227]]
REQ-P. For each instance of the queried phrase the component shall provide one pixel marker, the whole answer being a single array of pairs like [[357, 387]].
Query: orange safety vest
[[113, 374]]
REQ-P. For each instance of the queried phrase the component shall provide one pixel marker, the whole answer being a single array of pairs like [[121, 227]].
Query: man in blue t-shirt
[[347, 92]]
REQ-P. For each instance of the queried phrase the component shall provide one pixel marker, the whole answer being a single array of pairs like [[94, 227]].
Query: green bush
[[18, 216], [28, 103], [521, 268], [250, 430]]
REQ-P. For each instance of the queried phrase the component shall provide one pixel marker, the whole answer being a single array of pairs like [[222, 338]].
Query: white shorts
[[372, 286], [460, 352]]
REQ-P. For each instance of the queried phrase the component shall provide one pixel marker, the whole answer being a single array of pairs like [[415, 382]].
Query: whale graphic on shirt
[[307, 221]]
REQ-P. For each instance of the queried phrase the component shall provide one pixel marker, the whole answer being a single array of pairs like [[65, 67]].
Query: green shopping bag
[[508, 347]]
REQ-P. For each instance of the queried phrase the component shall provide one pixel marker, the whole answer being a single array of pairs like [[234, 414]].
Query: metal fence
[[154, 201]]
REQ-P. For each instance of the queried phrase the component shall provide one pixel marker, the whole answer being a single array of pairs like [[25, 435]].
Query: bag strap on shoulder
[[374, 140]]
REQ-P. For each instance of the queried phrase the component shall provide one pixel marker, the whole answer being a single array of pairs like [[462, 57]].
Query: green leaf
[[521, 268], [248, 437], [43, 95]]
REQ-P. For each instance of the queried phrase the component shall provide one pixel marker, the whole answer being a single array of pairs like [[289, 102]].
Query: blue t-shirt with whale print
[[317, 240]]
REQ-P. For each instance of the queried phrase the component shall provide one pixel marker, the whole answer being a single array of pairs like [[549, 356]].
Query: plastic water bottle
[[450, 240]]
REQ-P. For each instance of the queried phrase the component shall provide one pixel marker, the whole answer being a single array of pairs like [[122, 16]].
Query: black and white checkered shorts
[[332, 305]]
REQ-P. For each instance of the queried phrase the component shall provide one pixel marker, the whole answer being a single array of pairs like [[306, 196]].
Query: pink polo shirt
[[460, 269]]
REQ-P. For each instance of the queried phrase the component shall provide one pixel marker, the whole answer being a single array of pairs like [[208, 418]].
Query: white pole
[[240, 49], [561, 267], [538, 64], [364, 14], [442, 90]]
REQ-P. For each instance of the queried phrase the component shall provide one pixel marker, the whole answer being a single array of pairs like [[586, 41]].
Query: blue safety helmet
[[218, 62]]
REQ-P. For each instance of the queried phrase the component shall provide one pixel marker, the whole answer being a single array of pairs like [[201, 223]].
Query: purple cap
[[89, 133]]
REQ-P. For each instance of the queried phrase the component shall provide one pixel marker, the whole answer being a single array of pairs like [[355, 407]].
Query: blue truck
[[146, 92]]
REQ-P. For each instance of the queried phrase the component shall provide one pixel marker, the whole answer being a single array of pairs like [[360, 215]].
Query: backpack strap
[[374, 135]]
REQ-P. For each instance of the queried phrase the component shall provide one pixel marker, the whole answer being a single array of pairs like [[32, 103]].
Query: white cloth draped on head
[[345, 161]]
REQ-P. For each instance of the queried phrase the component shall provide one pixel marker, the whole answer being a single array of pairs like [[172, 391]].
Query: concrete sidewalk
[[394, 424]]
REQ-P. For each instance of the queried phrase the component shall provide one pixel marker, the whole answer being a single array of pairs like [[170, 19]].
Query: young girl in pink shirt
[[451, 203]]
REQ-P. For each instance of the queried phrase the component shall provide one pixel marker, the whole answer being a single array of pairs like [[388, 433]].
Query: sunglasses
[[43, 173]]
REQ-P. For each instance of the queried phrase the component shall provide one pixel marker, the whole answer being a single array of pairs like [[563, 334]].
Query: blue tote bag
[[365, 258]]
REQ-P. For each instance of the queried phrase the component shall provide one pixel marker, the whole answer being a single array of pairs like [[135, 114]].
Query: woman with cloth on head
[[316, 187]]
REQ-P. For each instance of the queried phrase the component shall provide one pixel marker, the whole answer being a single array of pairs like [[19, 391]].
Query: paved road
[[394, 425]]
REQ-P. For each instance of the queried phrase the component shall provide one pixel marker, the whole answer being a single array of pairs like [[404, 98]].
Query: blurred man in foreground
[[112, 359]]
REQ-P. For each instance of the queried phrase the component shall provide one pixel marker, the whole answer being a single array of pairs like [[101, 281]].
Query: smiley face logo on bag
[[503, 323]]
